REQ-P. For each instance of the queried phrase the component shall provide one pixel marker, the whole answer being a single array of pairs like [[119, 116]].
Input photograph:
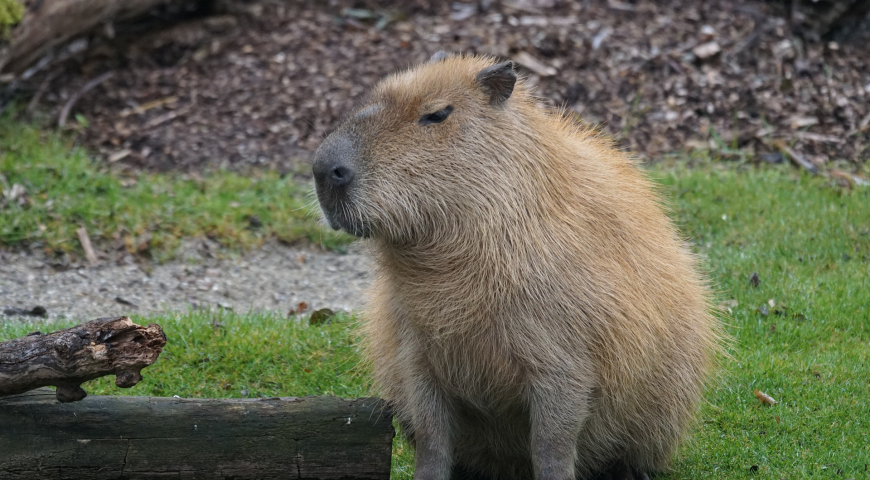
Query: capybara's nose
[[334, 162], [333, 174]]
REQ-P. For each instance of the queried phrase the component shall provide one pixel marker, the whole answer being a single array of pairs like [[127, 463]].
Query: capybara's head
[[426, 152]]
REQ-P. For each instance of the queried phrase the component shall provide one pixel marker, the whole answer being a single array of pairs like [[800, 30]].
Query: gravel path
[[272, 278]]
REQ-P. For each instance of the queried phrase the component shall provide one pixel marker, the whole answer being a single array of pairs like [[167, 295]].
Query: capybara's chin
[[343, 218]]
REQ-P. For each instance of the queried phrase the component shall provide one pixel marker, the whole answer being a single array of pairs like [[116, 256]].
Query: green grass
[[810, 245], [148, 214], [808, 241], [229, 355]]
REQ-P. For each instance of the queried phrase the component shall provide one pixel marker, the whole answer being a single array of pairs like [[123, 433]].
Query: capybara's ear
[[498, 81], [439, 55]]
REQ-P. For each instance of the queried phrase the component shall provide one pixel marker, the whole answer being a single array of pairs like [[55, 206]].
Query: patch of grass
[[61, 189], [802, 335], [228, 355], [809, 244]]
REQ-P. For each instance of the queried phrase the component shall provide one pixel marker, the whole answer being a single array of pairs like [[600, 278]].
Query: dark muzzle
[[335, 167]]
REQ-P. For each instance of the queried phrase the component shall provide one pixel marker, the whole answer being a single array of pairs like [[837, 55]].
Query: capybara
[[535, 314]]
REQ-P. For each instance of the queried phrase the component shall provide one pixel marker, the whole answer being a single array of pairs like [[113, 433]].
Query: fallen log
[[108, 437], [832, 20], [67, 358], [48, 24], [849, 22]]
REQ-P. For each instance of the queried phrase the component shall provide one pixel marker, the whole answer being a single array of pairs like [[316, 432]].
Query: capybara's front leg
[[558, 408], [431, 422]]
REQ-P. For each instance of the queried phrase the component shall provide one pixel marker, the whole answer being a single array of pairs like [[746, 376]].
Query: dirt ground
[[273, 278], [259, 83]]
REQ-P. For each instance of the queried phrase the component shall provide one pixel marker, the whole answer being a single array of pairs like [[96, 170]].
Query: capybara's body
[[535, 313]]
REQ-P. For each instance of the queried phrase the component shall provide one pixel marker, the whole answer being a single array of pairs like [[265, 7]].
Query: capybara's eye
[[436, 117]]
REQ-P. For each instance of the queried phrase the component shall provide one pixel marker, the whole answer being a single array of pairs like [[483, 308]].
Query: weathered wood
[[828, 20], [49, 23], [68, 358], [848, 22], [105, 437]]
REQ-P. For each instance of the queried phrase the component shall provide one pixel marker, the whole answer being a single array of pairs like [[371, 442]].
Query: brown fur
[[532, 298]]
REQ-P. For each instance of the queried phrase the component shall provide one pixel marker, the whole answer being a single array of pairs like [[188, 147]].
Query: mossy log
[[108, 437]]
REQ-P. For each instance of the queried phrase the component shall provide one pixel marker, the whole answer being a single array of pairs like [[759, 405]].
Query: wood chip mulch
[[261, 84]]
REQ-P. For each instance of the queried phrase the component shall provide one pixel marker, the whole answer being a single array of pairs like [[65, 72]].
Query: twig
[[37, 96], [795, 157], [862, 125], [165, 118], [7, 94], [522, 7], [148, 106], [758, 29], [42, 63], [818, 137], [623, 6], [86, 245], [64, 113], [535, 65], [119, 155], [850, 178]]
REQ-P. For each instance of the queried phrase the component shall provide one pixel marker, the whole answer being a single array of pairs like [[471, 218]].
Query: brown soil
[[260, 84]]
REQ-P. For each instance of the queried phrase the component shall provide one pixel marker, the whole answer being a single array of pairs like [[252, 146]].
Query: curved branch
[[68, 358]]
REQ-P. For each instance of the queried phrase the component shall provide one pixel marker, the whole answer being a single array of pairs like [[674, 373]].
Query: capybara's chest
[[481, 367]]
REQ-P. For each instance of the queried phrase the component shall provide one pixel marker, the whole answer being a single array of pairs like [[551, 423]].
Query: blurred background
[[187, 85]]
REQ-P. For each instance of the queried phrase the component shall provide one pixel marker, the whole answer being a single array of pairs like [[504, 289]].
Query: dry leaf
[[754, 280], [764, 398], [301, 307], [797, 122], [623, 6], [119, 155], [707, 33], [706, 50]]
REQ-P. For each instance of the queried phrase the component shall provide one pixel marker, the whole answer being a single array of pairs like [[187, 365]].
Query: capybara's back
[[535, 312]]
